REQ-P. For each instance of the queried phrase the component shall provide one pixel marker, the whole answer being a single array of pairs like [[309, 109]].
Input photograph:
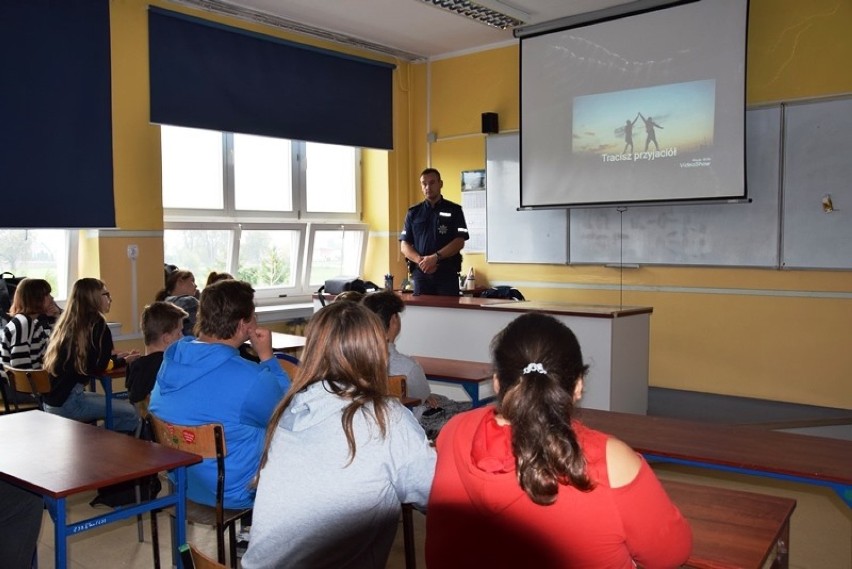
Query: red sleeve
[[658, 536]]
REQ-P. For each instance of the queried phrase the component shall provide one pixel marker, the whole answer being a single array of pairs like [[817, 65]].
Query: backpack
[[506, 292], [8, 284], [124, 493]]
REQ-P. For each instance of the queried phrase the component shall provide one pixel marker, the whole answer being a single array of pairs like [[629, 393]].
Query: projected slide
[[684, 111], [648, 107]]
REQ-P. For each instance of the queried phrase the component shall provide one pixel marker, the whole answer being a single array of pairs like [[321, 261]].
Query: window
[[39, 253], [283, 215]]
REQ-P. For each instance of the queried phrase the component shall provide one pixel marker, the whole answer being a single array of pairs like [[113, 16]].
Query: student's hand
[[261, 341], [130, 356], [52, 309]]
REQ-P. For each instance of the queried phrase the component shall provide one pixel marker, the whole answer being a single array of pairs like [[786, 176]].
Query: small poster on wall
[[473, 202]]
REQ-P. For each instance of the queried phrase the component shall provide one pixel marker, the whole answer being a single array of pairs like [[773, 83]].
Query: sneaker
[[243, 540]]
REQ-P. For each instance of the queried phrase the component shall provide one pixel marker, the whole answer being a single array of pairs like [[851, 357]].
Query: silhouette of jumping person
[[628, 134], [649, 129]]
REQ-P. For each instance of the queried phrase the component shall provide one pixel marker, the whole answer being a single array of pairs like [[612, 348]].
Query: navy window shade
[[207, 75], [56, 152]]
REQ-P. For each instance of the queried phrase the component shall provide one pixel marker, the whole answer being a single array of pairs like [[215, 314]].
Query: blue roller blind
[[206, 75], [56, 150]]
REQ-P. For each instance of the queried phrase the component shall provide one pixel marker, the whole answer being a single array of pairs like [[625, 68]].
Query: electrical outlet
[[133, 252]]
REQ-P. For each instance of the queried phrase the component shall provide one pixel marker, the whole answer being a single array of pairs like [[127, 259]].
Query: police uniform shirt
[[429, 228]]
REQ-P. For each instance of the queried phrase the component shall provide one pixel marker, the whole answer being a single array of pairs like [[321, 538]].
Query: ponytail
[[538, 364]]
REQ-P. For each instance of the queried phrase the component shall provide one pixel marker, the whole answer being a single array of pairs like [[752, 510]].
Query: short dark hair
[[430, 171], [160, 318], [223, 306], [215, 277], [385, 303]]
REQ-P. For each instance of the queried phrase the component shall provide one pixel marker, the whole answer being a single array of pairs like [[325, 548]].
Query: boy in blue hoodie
[[205, 380]]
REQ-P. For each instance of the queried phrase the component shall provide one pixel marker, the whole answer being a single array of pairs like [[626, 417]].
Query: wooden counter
[[614, 340]]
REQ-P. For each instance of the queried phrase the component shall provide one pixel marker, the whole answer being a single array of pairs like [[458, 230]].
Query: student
[[81, 348], [388, 306], [340, 454], [524, 483], [162, 326], [181, 290], [204, 380], [24, 339], [215, 277]]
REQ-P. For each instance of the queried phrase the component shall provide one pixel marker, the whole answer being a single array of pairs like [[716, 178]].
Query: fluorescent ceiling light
[[507, 17]]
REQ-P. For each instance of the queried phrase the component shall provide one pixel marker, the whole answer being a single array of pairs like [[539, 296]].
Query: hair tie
[[531, 367]]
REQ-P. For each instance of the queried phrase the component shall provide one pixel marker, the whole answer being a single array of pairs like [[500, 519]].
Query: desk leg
[[56, 508], [472, 389], [180, 515]]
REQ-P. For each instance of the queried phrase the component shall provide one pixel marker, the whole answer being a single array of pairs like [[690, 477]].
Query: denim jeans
[[84, 405]]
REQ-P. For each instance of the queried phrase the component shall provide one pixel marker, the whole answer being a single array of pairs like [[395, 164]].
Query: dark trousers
[[439, 283], [20, 522]]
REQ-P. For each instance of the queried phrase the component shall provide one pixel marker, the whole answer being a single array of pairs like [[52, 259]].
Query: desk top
[[57, 457], [741, 447], [283, 342], [730, 528], [455, 370], [567, 309]]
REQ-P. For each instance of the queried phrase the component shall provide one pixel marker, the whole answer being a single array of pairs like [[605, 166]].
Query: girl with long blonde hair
[[81, 348]]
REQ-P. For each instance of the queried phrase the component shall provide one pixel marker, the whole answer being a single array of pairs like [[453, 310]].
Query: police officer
[[433, 236]]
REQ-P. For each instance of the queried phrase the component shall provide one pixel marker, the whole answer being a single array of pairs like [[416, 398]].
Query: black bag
[[506, 292], [124, 493], [338, 285], [8, 284]]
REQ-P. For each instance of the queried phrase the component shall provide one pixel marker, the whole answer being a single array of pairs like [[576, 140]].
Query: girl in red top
[[525, 484]]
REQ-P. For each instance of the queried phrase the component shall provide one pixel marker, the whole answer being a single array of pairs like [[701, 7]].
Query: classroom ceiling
[[409, 29]]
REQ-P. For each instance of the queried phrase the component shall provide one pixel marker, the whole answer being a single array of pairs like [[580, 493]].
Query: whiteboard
[[736, 234], [796, 155], [514, 236], [817, 163]]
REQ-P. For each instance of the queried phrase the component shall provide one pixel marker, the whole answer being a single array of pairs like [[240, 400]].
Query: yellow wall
[[137, 166], [782, 339], [782, 342]]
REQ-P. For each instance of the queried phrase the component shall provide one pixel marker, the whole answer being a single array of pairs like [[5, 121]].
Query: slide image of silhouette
[[628, 134], [649, 129]]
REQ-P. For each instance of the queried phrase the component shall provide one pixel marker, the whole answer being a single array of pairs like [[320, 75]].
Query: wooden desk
[[82, 457], [734, 529], [473, 377], [615, 340], [284, 342], [741, 449]]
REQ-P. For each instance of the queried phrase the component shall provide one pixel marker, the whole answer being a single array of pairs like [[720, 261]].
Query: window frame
[[298, 219]]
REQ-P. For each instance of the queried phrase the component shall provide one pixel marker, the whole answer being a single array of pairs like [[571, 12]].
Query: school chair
[[34, 381], [201, 561], [397, 386], [207, 441]]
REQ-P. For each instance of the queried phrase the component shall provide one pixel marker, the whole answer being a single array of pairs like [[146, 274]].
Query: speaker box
[[489, 123]]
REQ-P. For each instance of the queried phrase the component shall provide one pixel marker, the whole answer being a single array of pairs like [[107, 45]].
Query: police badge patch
[[442, 229]]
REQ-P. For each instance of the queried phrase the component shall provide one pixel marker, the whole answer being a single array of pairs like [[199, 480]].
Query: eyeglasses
[[106, 294]]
